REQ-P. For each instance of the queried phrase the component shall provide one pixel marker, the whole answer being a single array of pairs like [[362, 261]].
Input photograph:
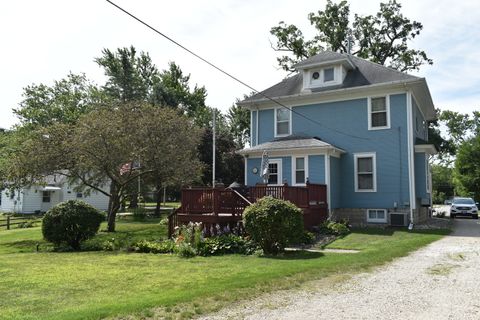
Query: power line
[[226, 73]]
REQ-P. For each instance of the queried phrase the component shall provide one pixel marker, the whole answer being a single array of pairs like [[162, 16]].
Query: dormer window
[[328, 74], [321, 77]]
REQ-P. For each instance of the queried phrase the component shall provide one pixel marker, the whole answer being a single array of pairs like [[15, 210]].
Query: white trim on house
[[276, 135], [279, 174], [372, 155], [377, 220], [294, 169], [256, 131], [318, 151], [426, 148], [327, 181], [411, 160], [387, 110], [251, 128], [245, 159]]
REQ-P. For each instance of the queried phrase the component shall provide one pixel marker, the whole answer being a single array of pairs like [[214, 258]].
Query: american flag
[[127, 167], [264, 172]]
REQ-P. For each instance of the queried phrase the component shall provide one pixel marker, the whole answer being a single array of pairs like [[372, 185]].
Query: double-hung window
[[378, 113], [282, 122], [300, 168], [46, 196], [365, 172]]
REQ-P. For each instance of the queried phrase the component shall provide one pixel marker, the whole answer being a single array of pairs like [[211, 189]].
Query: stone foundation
[[358, 216]]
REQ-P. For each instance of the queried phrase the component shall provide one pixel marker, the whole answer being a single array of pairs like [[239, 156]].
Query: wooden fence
[[9, 221]]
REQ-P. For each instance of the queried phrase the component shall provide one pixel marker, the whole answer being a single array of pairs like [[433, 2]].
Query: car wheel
[[452, 215]]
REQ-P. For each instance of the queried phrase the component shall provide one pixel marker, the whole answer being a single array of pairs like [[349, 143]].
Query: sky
[[42, 41]]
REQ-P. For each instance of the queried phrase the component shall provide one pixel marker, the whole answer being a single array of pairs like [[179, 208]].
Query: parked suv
[[463, 207]]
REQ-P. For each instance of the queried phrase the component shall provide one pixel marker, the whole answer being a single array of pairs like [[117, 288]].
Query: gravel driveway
[[440, 281]]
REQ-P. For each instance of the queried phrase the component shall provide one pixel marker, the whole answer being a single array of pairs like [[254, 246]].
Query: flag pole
[[213, 151]]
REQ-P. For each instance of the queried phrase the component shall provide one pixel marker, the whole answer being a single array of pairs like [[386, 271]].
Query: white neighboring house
[[40, 198]]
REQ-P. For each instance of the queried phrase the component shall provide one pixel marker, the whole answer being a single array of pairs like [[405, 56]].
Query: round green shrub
[[70, 223], [273, 224]]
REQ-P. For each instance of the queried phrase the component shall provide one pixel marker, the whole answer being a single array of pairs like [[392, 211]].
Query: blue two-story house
[[356, 126]]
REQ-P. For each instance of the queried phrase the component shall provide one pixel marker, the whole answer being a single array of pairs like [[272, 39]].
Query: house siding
[[335, 183], [420, 177], [419, 127], [316, 168], [11, 205], [347, 129], [266, 128]]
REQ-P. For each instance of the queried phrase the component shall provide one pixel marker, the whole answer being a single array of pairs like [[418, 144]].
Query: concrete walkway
[[440, 281]]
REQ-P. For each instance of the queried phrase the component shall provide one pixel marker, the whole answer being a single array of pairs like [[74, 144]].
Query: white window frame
[[387, 109], [377, 220], [280, 175], [334, 75], [289, 122], [372, 155], [294, 170]]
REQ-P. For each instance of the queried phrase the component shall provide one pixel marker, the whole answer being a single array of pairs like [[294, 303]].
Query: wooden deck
[[221, 209]]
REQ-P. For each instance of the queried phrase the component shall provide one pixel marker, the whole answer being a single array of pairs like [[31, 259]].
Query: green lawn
[[92, 285]]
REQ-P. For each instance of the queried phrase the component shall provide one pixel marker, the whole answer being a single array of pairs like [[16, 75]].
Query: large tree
[[133, 76], [102, 148], [382, 38]]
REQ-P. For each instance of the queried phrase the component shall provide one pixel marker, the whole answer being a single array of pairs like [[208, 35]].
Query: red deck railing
[[219, 205]]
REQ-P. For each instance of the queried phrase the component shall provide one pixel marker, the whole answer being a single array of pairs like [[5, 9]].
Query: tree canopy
[[103, 148], [382, 38]]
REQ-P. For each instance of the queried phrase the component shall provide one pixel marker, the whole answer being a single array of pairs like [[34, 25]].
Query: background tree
[[467, 168], [238, 120], [382, 38], [64, 102], [133, 76], [104, 145]]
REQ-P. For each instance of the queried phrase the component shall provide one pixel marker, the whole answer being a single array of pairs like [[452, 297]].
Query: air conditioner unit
[[398, 219]]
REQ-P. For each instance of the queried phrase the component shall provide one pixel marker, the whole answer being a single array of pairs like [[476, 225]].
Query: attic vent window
[[316, 75], [328, 75]]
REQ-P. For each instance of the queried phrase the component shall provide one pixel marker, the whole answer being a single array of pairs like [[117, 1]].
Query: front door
[[275, 172]]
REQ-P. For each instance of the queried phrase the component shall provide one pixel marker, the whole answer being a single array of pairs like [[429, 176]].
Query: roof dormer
[[324, 70]]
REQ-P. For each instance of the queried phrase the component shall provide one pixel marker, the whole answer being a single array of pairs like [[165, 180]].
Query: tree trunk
[[113, 207], [159, 200], [133, 200]]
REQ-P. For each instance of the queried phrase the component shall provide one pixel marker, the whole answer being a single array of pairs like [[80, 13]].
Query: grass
[[92, 285]]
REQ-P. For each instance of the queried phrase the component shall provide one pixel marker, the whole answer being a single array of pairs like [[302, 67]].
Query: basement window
[[377, 215]]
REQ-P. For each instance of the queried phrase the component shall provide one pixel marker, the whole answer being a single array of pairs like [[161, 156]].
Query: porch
[[222, 208]]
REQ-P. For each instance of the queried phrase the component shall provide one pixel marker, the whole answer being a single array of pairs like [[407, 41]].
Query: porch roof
[[293, 143]]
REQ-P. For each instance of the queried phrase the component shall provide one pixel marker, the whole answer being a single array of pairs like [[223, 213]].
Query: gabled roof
[[291, 143], [365, 73]]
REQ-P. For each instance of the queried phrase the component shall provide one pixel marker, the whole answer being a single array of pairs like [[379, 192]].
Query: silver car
[[464, 207]]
